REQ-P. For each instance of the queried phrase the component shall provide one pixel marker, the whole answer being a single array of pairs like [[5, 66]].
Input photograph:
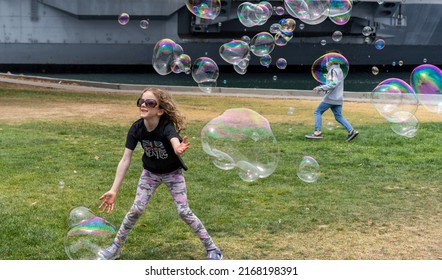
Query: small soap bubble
[[291, 111], [367, 30], [379, 44], [330, 125], [281, 63], [279, 10], [144, 24], [123, 18], [308, 170], [374, 70], [337, 36]]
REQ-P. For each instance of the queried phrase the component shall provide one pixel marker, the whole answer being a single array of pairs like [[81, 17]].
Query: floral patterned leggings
[[176, 184]]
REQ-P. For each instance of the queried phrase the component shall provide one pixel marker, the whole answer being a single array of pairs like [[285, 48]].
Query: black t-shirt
[[158, 156]]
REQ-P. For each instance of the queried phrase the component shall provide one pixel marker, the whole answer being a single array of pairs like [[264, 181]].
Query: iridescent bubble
[[379, 44], [207, 9], [123, 18], [408, 127], [85, 239], [392, 96], [400, 63], [279, 10], [374, 70], [308, 11], [182, 63], [281, 39], [262, 43], [205, 73], [281, 63], [79, 214], [275, 78], [341, 19], [144, 24], [301, 26], [426, 80], [288, 25], [367, 30], [340, 7], [337, 36], [234, 52], [319, 67], [308, 170], [323, 42], [424, 60], [241, 138], [265, 60], [254, 14], [165, 53]]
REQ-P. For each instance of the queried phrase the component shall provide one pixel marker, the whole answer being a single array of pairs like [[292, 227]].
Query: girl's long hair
[[170, 108]]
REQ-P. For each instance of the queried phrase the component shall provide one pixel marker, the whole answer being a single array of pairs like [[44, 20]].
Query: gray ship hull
[[82, 33]]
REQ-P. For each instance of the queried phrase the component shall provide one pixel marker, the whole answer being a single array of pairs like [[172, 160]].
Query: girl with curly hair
[[158, 133]]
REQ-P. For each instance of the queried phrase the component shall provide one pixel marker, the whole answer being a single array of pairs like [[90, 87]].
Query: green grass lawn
[[374, 195]]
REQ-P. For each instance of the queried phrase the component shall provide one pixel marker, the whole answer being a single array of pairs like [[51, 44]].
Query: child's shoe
[[313, 136], [110, 253], [214, 254], [351, 135]]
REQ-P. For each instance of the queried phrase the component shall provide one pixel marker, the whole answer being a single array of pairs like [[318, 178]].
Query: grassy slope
[[378, 197]]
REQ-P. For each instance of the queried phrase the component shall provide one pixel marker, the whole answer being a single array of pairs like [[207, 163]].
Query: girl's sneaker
[[351, 135], [110, 253], [313, 136], [214, 254]]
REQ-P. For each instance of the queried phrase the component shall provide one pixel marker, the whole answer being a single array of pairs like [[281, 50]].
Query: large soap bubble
[[308, 170], [207, 9], [283, 31], [262, 43], [392, 96], [309, 11], [234, 52], [84, 240], [426, 81], [319, 67], [243, 139], [254, 14], [205, 73], [165, 54]]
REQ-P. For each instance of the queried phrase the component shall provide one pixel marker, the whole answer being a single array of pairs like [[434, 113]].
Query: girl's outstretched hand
[[184, 145], [108, 201]]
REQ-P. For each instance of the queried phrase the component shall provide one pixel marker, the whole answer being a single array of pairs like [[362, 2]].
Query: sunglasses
[[150, 103]]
